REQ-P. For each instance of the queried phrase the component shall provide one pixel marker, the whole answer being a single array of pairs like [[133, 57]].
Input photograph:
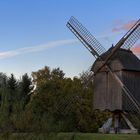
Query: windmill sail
[[133, 112], [87, 39], [132, 37]]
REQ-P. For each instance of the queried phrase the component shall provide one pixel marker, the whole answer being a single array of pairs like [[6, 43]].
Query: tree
[[25, 86], [8, 91], [12, 92], [12, 83], [66, 103], [3, 80]]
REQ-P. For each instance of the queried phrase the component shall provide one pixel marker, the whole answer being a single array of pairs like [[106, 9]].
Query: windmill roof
[[122, 60]]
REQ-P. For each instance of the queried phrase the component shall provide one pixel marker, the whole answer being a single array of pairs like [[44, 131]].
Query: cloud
[[119, 26], [38, 48], [136, 49], [7, 54]]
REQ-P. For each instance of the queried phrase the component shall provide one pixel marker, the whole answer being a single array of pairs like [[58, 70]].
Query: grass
[[67, 136]]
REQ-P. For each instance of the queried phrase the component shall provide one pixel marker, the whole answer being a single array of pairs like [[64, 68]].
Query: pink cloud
[[115, 29], [129, 24], [123, 26], [117, 22], [136, 48]]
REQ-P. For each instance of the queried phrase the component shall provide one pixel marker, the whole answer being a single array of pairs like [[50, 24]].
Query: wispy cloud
[[38, 48], [119, 26]]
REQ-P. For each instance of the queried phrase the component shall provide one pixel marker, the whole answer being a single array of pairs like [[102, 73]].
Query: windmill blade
[[87, 39], [133, 37], [127, 41]]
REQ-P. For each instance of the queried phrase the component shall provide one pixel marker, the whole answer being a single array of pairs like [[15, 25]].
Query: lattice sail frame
[[87, 39], [133, 37]]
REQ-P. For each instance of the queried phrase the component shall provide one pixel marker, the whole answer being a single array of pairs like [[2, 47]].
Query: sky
[[33, 33]]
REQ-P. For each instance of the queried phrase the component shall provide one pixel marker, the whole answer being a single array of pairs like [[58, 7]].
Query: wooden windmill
[[116, 76]]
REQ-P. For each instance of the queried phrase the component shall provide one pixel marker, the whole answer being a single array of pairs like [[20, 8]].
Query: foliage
[[58, 103], [63, 104], [11, 107]]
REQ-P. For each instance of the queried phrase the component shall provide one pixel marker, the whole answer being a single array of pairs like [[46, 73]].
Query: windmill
[[116, 77]]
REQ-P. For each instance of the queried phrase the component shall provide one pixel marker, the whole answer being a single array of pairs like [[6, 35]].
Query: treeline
[[58, 104]]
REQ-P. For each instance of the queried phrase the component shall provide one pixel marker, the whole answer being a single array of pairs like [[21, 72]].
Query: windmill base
[[121, 131], [112, 125]]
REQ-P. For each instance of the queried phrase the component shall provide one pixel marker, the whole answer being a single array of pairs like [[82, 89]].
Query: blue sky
[[33, 33]]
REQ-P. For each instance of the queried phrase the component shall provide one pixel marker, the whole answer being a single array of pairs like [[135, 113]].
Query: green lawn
[[67, 136], [90, 136]]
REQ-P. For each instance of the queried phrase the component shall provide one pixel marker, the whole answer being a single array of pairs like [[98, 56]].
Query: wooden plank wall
[[131, 79], [107, 92]]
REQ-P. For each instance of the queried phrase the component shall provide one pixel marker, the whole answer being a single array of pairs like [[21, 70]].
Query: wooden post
[[117, 122]]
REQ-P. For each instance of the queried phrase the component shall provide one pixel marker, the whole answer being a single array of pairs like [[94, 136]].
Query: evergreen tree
[[12, 92], [12, 83], [25, 89]]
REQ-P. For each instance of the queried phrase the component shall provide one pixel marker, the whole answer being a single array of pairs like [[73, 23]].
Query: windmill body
[[108, 94]]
